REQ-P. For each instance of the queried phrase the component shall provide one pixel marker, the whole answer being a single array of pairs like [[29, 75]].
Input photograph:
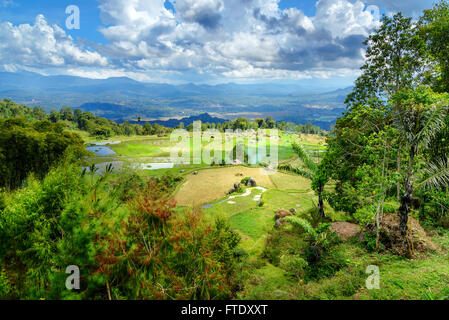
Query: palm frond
[[436, 175], [302, 172], [302, 154], [302, 224], [434, 121]]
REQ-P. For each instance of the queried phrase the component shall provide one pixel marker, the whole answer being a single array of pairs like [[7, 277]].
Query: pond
[[156, 166], [118, 165], [101, 151], [105, 143]]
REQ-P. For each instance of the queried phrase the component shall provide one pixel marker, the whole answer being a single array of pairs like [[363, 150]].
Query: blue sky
[[203, 41]]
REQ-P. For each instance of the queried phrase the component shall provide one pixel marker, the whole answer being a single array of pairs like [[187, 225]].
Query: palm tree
[[419, 115], [312, 171]]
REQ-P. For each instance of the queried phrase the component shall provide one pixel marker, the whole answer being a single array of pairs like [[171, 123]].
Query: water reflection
[[101, 151]]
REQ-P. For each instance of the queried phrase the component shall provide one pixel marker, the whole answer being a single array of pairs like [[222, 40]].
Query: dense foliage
[[32, 147], [127, 247], [104, 128], [393, 137]]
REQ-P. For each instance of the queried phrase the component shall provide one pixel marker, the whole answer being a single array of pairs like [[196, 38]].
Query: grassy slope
[[427, 277]]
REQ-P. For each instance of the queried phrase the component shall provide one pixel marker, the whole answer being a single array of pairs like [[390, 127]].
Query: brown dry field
[[213, 184]]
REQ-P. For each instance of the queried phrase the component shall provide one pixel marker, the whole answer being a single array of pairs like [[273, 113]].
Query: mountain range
[[126, 99], [172, 123]]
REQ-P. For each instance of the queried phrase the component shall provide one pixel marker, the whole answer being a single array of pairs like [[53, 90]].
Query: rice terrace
[[250, 152]]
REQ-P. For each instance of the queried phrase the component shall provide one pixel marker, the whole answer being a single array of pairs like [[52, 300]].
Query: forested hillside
[[372, 192]]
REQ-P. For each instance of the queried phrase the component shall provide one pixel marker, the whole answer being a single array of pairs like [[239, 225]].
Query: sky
[[200, 41]]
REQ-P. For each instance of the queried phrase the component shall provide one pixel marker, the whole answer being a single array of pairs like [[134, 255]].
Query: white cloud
[[236, 37], [207, 13], [216, 38], [342, 18], [43, 45]]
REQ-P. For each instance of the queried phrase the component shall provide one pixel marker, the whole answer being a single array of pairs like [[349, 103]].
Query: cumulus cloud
[[207, 13], [44, 45], [213, 38], [237, 37]]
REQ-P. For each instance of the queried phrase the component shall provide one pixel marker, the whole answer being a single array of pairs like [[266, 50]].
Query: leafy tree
[[394, 61], [420, 115], [148, 129], [32, 148], [260, 123], [270, 123], [55, 116], [66, 113], [357, 142], [434, 30], [158, 129], [39, 113]]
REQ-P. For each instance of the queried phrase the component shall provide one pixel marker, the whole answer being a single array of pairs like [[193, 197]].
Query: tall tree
[[395, 59], [419, 115]]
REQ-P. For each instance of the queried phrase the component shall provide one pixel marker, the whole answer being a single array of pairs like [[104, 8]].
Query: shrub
[[370, 242], [294, 265], [5, 285], [321, 254], [241, 253], [241, 189], [313, 216], [365, 215], [390, 208], [128, 185], [330, 260]]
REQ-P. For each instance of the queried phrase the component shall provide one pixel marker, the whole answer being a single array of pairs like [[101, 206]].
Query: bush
[[330, 260], [365, 215], [390, 208], [321, 254], [294, 265], [434, 207], [241, 253], [5, 285], [128, 185], [281, 242], [370, 242], [313, 216]]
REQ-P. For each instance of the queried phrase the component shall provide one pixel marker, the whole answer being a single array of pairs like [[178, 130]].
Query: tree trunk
[[380, 207], [321, 202], [398, 187], [406, 203], [404, 210]]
